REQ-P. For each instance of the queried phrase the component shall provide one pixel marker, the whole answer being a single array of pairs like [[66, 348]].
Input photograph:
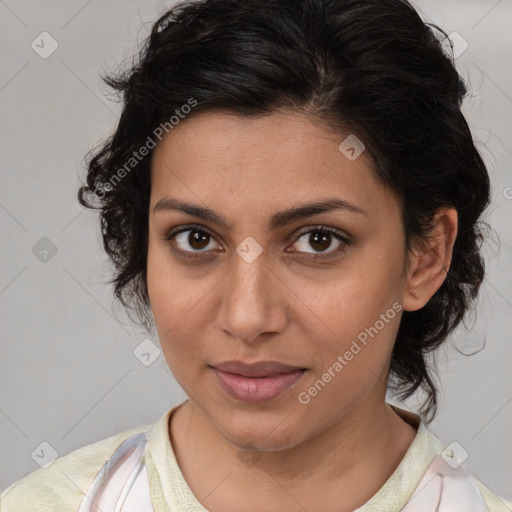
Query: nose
[[253, 300]]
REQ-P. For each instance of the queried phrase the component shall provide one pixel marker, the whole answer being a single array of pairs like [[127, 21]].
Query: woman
[[292, 198]]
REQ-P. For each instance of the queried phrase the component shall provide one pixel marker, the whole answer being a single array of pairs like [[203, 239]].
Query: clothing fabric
[[137, 471]]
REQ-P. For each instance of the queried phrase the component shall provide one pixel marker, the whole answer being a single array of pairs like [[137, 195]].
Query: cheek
[[360, 314], [169, 298], [168, 302], [178, 307], [351, 365], [354, 299]]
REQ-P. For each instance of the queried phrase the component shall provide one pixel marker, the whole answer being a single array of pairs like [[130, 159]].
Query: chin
[[265, 436]]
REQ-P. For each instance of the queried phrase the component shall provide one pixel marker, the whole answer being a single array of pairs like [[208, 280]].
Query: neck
[[348, 461]]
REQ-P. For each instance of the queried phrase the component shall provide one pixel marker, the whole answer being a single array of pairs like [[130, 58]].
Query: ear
[[430, 259]]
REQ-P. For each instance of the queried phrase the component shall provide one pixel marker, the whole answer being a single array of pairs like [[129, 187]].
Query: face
[[321, 291]]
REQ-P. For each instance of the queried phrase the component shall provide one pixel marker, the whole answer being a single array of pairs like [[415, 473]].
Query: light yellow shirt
[[61, 487]]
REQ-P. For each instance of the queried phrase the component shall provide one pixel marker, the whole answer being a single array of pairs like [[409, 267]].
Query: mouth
[[258, 369], [258, 382]]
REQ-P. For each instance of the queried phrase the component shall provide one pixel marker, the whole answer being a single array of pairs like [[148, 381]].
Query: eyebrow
[[277, 220]]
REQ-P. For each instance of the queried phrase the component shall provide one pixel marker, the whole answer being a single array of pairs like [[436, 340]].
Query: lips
[[258, 369], [257, 382]]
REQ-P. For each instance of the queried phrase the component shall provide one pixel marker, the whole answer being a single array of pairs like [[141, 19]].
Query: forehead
[[230, 137], [273, 161]]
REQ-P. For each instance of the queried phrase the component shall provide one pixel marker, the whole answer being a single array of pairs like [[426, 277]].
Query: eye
[[320, 239], [199, 239], [196, 242]]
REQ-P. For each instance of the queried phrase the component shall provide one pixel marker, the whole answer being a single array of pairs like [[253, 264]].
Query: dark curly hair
[[366, 67]]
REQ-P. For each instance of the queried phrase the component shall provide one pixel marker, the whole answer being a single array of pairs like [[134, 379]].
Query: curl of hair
[[366, 67]]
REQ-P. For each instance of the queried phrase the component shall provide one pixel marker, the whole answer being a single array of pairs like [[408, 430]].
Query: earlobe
[[430, 260]]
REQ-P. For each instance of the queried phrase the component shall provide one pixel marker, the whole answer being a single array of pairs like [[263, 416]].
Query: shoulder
[[458, 479], [494, 502], [61, 485]]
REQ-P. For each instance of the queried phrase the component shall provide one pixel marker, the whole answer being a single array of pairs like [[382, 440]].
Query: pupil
[[198, 237], [323, 238]]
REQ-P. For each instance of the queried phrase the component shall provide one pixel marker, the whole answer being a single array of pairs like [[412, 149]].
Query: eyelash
[[345, 242]]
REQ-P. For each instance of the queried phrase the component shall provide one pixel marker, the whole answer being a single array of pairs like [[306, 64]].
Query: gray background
[[68, 374]]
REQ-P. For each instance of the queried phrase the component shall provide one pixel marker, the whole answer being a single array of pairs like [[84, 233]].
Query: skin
[[335, 452]]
